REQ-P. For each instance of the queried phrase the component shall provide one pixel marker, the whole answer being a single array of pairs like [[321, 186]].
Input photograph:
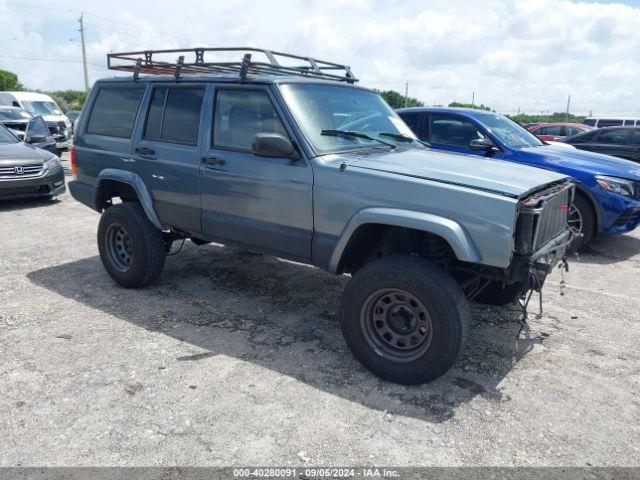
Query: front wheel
[[581, 220], [405, 319], [132, 250]]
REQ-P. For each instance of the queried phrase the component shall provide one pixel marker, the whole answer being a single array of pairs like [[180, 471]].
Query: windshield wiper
[[400, 136], [352, 134]]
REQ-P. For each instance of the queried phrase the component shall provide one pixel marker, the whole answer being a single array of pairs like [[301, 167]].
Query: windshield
[[14, 114], [41, 108], [508, 131], [6, 136], [328, 107]]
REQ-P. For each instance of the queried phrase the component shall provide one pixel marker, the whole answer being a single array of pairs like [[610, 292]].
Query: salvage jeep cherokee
[[297, 161]]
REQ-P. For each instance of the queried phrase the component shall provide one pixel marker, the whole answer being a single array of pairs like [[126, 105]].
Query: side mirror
[[272, 145], [482, 145], [37, 131]]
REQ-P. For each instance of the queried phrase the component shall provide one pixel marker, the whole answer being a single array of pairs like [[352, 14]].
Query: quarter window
[[174, 115], [240, 114], [114, 111]]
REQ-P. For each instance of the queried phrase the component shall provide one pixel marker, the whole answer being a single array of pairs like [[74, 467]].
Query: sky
[[518, 55]]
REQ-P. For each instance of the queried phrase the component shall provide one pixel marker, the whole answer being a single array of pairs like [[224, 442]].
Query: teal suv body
[[319, 171]]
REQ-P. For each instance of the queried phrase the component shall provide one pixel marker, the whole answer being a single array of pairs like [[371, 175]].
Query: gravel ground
[[235, 358]]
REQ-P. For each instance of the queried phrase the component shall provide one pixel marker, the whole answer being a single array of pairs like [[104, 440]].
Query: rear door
[[615, 142], [256, 201], [167, 152]]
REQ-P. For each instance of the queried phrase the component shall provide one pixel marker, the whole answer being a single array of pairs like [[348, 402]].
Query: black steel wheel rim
[[396, 324], [119, 247]]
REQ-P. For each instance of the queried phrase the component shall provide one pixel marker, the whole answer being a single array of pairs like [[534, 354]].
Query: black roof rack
[[277, 63]]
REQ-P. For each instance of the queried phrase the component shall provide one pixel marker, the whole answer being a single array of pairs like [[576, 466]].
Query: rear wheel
[[404, 318], [581, 220], [131, 248]]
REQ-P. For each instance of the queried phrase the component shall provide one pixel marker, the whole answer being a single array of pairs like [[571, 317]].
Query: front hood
[[472, 171], [591, 162], [21, 154]]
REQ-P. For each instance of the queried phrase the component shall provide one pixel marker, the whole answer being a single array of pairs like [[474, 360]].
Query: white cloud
[[530, 54]]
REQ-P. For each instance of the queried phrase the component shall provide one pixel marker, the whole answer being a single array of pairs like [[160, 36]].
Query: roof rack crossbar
[[277, 64]]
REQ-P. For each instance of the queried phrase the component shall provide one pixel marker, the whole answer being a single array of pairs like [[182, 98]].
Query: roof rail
[[277, 63]]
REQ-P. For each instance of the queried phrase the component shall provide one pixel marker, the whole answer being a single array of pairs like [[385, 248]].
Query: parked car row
[[37, 104], [426, 209]]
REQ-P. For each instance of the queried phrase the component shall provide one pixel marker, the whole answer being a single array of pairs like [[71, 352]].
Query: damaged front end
[[542, 235]]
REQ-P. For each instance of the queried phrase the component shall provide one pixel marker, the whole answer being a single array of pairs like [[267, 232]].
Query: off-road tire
[[146, 243], [587, 214], [427, 285], [497, 293]]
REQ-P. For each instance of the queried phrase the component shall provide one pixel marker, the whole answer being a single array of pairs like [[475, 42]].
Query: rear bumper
[[51, 183], [83, 193]]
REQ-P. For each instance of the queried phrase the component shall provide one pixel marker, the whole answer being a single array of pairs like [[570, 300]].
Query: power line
[[72, 11], [60, 60]]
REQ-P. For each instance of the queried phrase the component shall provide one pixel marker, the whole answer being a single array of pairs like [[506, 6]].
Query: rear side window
[[114, 111], [174, 115], [609, 123], [240, 114], [629, 122], [557, 130]]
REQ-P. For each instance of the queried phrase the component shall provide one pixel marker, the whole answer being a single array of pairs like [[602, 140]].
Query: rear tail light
[[74, 166]]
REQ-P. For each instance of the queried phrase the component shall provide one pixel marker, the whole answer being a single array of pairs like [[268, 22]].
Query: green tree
[[9, 81], [69, 99], [553, 118], [470, 105], [396, 100]]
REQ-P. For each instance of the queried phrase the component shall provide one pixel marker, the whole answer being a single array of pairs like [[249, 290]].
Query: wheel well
[[110, 189], [375, 240]]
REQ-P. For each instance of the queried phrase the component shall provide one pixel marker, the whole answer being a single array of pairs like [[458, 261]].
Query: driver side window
[[451, 130]]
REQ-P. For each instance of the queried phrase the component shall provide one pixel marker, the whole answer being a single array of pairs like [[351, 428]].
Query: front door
[[256, 201], [452, 133], [167, 152]]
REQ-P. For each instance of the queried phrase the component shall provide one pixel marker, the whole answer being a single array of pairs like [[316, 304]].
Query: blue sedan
[[608, 188]]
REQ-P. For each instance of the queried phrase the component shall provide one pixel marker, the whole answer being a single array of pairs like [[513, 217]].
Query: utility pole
[[566, 115], [84, 54], [406, 94], [518, 110], [473, 99]]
